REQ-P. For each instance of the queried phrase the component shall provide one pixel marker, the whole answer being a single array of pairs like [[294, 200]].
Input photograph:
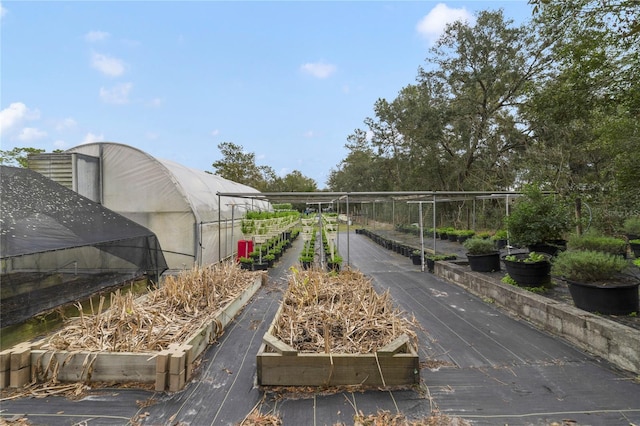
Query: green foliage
[[587, 266], [537, 217], [632, 225], [17, 156], [537, 290], [532, 257], [500, 234], [637, 262], [476, 245], [245, 260], [597, 243]]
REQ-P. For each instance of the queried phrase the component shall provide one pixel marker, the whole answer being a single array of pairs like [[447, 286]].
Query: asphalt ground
[[479, 364]]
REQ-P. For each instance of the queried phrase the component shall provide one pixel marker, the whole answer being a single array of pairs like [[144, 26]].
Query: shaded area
[[57, 246]]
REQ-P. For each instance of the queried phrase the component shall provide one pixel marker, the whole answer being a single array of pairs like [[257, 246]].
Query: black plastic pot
[[484, 262], [528, 274], [416, 259], [635, 248], [610, 299]]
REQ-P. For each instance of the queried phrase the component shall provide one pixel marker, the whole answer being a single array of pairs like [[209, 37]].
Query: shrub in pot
[[529, 269], [598, 281], [416, 257], [482, 255], [600, 243], [538, 221]]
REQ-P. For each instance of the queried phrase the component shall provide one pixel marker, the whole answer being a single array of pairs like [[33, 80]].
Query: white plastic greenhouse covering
[[179, 204]]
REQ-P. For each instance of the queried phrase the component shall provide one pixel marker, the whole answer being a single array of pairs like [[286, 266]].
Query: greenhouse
[[177, 203], [58, 246]]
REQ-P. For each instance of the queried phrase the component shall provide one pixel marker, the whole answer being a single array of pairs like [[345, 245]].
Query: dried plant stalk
[[338, 312], [183, 304]]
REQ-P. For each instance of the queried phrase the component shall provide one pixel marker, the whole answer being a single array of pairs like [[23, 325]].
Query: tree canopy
[[240, 166], [496, 106]]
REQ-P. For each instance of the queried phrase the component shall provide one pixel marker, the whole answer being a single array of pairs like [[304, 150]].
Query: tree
[[240, 166], [620, 16], [357, 172], [293, 182], [481, 74], [18, 156]]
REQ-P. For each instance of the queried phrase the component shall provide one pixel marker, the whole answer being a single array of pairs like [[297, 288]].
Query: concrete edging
[[608, 339]]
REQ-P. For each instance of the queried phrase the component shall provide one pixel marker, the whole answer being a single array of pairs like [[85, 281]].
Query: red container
[[244, 248]]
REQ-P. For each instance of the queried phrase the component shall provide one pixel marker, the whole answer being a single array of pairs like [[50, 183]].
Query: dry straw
[[167, 315], [338, 313]]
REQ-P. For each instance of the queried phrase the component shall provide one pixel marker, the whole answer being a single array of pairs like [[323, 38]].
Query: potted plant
[[482, 255], [594, 242], [416, 257], [306, 259], [597, 281], [334, 263], [500, 238], [631, 227], [465, 234], [246, 263], [538, 221], [529, 269]]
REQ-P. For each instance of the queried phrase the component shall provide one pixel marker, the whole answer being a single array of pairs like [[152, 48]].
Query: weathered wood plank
[[278, 345], [338, 369]]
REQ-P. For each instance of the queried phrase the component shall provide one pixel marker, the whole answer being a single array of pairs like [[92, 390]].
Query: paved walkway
[[479, 364]]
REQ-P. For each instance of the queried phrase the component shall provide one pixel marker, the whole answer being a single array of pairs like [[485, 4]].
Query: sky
[[288, 81]]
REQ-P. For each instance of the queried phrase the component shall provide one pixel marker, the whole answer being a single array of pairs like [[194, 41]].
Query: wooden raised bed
[[169, 369], [280, 364]]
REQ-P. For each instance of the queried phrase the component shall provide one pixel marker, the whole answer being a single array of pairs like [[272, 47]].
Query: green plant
[[634, 241], [597, 243], [537, 218], [637, 262], [500, 234], [245, 260], [476, 245], [483, 234], [588, 266], [268, 257], [306, 257], [537, 290], [416, 253], [632, 225], [532, 257], [466, 233], [335, 259]]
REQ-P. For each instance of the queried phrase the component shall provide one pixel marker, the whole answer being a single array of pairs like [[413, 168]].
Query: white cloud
[[93, 36], [318, 69], [110, 66], [309, 134], [151, 135], [90, 137], [3, 11], [67, 123], [30, 134], [435, 22], [14, 115], [215, 132], [118, 94], [155, 102]]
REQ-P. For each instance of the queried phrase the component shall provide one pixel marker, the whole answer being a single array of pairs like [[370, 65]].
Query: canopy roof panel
[[38, 215]]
